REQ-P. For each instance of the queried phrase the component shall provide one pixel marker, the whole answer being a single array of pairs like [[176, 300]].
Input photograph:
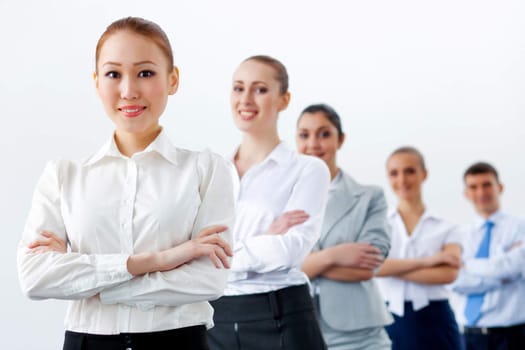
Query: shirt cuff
[[110, 269]]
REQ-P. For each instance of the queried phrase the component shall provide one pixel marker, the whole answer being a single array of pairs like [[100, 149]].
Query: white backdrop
[[445, 76]]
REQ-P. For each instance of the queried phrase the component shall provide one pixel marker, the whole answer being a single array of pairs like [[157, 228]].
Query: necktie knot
[[488, 224]]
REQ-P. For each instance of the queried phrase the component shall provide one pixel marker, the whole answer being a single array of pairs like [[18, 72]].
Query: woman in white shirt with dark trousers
[[267, 304], [144, 220], [424, 257]]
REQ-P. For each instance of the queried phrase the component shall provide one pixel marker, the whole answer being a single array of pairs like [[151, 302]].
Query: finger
[[215, 260], [38, 250], [217, 240], [39, 242], [226, 247], [294, 222], [294, 212], [222, 257], [212, 230], [54, 238], [371, 263], [367, 247], [48, 234], [298, 215]]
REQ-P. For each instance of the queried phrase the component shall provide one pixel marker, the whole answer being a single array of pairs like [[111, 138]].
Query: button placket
[[127, 204]]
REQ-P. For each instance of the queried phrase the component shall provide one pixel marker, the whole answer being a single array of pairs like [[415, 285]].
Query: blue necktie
[[474, 301]]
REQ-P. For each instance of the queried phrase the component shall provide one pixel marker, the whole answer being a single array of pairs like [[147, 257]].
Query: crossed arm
[[479, 275], [440, 268], [168, 277], [355, 261]]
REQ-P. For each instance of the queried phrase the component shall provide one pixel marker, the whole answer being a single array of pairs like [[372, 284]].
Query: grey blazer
[[355, 213]]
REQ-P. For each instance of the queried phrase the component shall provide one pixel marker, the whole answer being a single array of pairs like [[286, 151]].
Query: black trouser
[[497, 338], [282, 319], [188, 338], [433, 327]]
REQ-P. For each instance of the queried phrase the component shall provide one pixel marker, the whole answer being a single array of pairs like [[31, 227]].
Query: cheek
[[301, 145], [393, 182], [329, 147], [103, 89]]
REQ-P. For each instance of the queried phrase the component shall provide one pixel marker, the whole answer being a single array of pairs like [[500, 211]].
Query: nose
[[246, 97], [313, 142], [128, 89]]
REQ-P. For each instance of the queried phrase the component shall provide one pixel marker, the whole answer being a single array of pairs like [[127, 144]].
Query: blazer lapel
[[341, 202]]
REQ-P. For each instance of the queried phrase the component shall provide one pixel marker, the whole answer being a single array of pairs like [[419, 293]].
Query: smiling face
[[256, 98], [484, 191], [133, 81], [317, 136], [406, 175]]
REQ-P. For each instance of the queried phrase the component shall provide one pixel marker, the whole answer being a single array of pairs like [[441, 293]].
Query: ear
[[285, 101], [95, 79], [425, 175], [173, 80], [501, 187], [342, 139]]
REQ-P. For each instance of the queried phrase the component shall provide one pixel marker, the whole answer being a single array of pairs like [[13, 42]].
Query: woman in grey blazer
[[354, 241]]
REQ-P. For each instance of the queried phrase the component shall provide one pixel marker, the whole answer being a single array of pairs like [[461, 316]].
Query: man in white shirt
[[491, 283]]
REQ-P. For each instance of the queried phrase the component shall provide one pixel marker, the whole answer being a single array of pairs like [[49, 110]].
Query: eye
[[146, 74], [112, 74], [261, 90], [410, 171], [303, 135], [392, 173], [325, 134], [237, 88]]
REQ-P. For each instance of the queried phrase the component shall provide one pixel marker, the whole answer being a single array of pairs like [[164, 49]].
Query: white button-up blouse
[[430, 235], [110, 206], [284, 181]]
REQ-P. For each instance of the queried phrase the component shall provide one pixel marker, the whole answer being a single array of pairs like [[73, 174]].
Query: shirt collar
[[279, 154], [427, 214], [334, 184], [160, 145], [479, 221]]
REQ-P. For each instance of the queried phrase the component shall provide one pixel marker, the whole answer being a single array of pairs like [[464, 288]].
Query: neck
[[131, 143], [487, 213], [333, 170], [411, 207], [255, 148]]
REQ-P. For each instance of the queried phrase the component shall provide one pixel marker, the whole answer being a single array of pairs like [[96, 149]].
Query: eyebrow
[[253, 82], [135, 64], [322, 127]]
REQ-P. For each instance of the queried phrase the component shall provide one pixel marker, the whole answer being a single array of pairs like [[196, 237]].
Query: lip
[[131, 111], [315, 154], [247, 114]]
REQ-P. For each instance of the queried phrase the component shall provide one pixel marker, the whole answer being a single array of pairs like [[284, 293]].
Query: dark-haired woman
[[354, 241], [267, 304]]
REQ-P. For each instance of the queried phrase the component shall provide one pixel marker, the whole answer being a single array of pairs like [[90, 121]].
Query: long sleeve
[[470, 284], [56, 275], [510, 265], [265, 253], [198, 280], [375, 229]]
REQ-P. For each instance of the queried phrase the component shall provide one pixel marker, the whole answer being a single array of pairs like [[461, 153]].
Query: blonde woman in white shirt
[[280, 208], [424, 257], [143, 219]]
